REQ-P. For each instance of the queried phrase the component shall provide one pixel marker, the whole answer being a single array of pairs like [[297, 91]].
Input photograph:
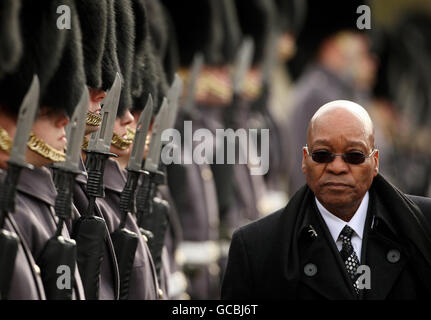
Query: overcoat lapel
[[331, 280], [381, 241]]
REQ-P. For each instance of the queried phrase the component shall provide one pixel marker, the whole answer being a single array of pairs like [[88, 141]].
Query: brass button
[[145, 238], [206, 174]]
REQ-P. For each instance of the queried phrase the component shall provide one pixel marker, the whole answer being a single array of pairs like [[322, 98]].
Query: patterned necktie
[[349, 256]]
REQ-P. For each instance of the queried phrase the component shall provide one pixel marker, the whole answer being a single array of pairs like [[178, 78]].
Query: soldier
[[25, 283], [94, 23], [56, 56], [143, 281]]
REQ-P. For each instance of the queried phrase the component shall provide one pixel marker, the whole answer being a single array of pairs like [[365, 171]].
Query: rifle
[[125, 241], [146, 216], [90, 230], [59, 251], [9, 241]]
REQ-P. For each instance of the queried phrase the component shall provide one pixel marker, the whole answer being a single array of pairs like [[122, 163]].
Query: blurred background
[[304, 54]]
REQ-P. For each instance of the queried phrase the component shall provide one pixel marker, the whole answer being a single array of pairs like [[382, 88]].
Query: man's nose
[[97, 95], [337, 166]]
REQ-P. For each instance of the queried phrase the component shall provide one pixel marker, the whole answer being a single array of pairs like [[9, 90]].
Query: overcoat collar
[[38, 183]]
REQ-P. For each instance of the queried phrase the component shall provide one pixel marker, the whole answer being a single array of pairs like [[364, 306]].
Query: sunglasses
[[354, 157]]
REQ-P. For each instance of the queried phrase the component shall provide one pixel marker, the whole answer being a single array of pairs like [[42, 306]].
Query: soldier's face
[[94, 106], [339, 185], [50, 127]]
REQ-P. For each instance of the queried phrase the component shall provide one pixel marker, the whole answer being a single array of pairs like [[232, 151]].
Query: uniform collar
[[336, 225], [114, 177], [38, 183]]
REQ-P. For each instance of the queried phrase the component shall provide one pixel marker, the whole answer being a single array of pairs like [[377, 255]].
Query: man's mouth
[[337, 185]]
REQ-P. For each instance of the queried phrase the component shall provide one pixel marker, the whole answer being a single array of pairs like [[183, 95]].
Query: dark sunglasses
[[354, 157]]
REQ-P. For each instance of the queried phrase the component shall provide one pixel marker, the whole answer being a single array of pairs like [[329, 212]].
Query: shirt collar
[[335, 224]]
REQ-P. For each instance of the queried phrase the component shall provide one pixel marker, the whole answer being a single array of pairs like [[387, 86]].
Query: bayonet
[[174, 94], [198, 61], [75, 132], [242, 64], [26, 116], [135, 161], [153, 157], [270, 57], [100, 141]]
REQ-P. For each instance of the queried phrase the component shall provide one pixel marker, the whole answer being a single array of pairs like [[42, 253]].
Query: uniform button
[[145, 237], [206, 174], [310, 269], [36, 269], [160, 294], [393, 256]]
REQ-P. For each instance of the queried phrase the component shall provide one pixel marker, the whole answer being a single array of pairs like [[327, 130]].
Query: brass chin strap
[[43, 149], [85, 143], [121, 143], [5, 141], [130, 133], [93, 119]]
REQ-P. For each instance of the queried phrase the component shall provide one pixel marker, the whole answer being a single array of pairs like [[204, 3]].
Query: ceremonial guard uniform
[[25, 283], [56, 57]]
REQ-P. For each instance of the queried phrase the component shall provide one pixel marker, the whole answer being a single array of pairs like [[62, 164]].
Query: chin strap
[[43, 149], [121, 143], [93, 119], [85, 142], [5, 141]]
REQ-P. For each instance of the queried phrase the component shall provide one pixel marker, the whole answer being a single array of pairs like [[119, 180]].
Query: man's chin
[[336, 201]]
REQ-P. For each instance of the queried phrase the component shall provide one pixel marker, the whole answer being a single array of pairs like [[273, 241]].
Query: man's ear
[[376, 159], [304, 157]]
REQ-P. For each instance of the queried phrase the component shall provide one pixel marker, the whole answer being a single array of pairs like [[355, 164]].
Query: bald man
[[347, 234]]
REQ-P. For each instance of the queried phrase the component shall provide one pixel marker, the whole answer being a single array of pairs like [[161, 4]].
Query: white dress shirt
[[357, 223]]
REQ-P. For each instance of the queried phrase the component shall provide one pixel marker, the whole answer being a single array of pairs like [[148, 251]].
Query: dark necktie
[[348, 255]]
